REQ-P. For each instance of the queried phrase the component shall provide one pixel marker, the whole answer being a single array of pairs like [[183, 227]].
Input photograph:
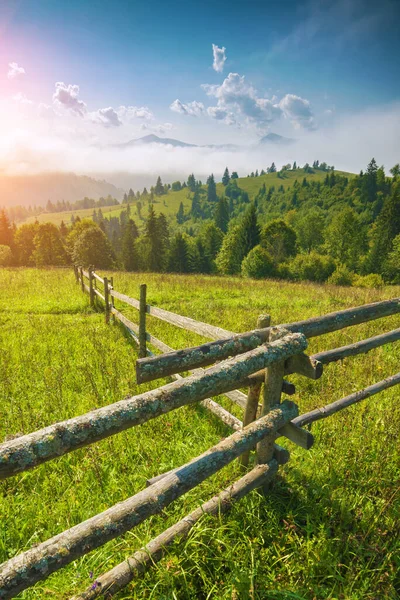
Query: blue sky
[[290, 67]]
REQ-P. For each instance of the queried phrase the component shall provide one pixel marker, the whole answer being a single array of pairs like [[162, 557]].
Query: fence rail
[[257, 360]]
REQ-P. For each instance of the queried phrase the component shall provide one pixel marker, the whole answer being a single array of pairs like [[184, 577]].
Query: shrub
[[312, 266], [373, 280], [258, 264], [5, 256], [341, 276]]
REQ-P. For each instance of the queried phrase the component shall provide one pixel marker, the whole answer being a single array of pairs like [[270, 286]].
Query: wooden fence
[[257, 360]]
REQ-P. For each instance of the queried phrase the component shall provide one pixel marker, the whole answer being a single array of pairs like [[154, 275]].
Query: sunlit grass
[[329, 527]]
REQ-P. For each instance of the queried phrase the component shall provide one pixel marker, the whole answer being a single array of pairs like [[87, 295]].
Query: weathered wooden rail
[[258, 360]]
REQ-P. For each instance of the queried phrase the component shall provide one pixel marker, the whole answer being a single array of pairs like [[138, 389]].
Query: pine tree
[[211, 189], [250, 229], [226, 177], [178, 255], [272, 168], [191, 183], [180, 215], [156, 258], [159, 188], [129, 254], [6, 231], [196, 208], [221, 214], [234, 175], [386, 229]]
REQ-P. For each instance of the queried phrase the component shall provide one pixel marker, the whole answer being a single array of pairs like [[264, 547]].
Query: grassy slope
[[169, 204], [326, 530]]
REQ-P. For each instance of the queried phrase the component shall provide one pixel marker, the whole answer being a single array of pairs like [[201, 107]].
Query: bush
[[312, 267], [373, 280], [5, 256], [258, 264], [341, 276]]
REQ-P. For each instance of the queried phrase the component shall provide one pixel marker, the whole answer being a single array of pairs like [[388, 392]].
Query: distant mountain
[[154, 139], [277, 140], [27, 190]]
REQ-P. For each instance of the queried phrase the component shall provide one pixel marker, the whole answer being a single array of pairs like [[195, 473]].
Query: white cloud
[[22, 99], [130, 113], [192, 109], [219, 58], [240, 100], [66, 96], [298, 111], [107, 117], [15, 70]]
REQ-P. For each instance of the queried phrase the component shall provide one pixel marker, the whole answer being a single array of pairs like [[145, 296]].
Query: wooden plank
[[187, 323], [124, 298], [128, 324], [36, 564], [86, 288], [158, 343], [300, 437], [334, 407], [99, 294], [60, 438], [85, 274], [304, 365], [210, 352], [358, 348], [97, 277], [138, 564]]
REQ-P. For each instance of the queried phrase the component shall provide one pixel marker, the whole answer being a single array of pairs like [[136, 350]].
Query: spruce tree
[[250, 229], [129, 254], [211, 189], [225, 177], [178, 255], [180, 215], [221, 214]]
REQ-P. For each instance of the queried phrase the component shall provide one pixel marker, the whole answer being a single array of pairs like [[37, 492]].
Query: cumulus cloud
[[107, 117], [130, 113], [219, 58], [66, 96], [192, 109], [237, 99], [22, 99], [14, 70], [298, 111]]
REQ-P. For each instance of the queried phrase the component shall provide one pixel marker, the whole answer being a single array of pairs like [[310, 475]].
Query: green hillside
[[169, 204]]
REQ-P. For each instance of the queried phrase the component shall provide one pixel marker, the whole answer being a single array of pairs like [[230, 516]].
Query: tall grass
[[328, 529]]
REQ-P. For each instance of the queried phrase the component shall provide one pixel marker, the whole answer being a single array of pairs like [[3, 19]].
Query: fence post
[[76, 273], [106, 299], [91, 291], [82, 282], [142, 322], [271, 398], [253, 395], [112, 298]]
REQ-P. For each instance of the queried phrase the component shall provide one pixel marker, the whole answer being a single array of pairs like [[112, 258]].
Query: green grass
[[329, 527], [169, 204]]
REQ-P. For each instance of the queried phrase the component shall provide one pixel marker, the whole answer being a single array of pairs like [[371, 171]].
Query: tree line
[[338, 229]]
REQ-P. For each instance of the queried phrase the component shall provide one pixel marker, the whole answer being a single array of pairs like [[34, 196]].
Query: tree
[[221, 214], [176, 186], [5, 256], [258, 264], [92, 248], [191, 183], [49, 250], [279, 239], [272, 168], [211, 237], [196, 208], [211, 189], [387, 227], [294, 166], [180, 215], [250, 230], [159, 189], [24, 243], [232, 252], [152, 230], [129, 254], [395, 171], [370, 183], [346, 238], [6, 231], [226, 177], [234, 175], [309, 227], [179, 255]]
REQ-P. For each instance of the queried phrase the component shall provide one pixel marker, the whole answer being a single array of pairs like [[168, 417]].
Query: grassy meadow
[[169, 204], [329, 529]]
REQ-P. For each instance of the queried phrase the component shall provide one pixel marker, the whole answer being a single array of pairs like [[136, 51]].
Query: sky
[[77, 78]]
